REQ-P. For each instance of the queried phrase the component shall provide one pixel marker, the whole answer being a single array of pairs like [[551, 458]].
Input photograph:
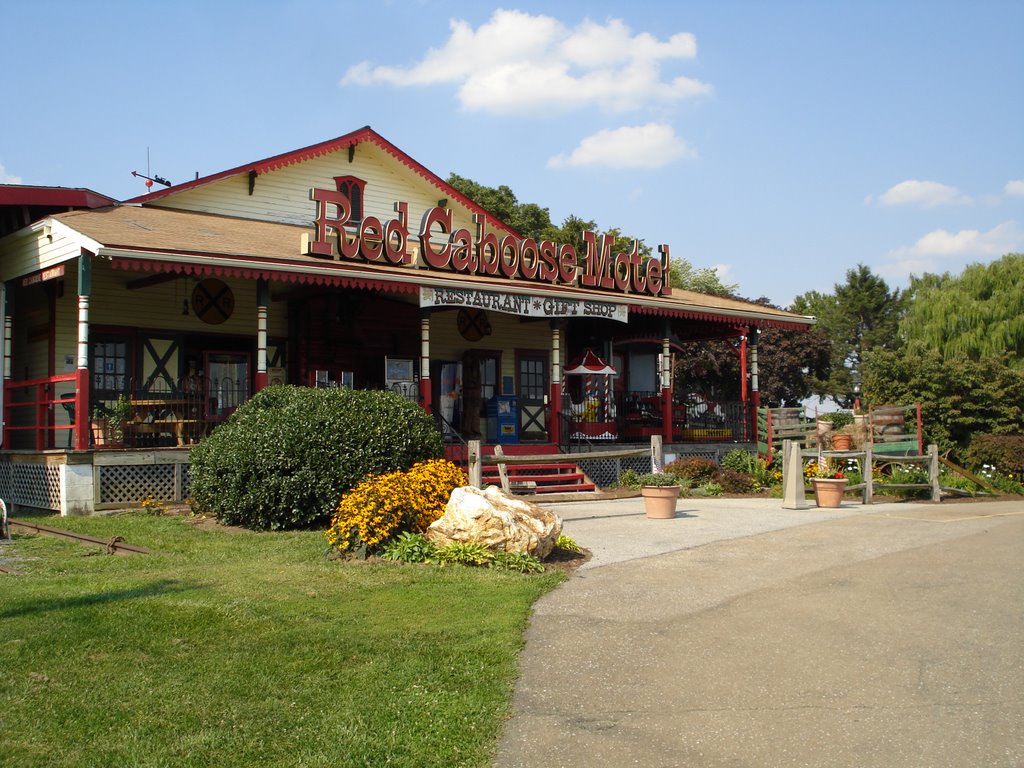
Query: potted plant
[[829, 484], [835, 424], [108, 423], [660, 492]]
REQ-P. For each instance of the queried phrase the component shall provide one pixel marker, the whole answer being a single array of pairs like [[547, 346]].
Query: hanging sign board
[[523, 305], [41, 277]]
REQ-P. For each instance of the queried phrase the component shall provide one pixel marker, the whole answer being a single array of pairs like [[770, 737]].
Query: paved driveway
[[740, 634]]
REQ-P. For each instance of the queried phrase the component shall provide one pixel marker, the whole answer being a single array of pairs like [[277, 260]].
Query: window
[[110, 366], [532, 378], [488, 376], [353, 189]]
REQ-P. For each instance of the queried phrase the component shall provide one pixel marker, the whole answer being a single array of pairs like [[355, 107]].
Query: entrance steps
[[556, 476]]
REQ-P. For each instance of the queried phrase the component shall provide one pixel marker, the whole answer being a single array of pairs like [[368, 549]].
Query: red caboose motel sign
[[483, 253]]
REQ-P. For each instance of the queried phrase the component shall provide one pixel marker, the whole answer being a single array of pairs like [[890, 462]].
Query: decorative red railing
[[41, 398]]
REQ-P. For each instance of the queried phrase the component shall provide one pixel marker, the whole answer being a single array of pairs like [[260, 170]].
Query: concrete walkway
[[741, 634]]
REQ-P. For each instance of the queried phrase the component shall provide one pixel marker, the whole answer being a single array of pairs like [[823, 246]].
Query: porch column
[[8, 332], [555, 427], [666, 387], [426, 395], [262, 302], [755, 395], [5, 310], [743, 379], [82, 378]]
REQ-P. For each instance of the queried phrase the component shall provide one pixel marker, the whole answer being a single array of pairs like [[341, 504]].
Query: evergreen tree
[[862, 314]]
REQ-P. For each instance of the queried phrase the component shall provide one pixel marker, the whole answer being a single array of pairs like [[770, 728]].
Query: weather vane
[[150, 179]]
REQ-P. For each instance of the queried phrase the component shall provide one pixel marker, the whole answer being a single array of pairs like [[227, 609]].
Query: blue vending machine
[[503, 419]]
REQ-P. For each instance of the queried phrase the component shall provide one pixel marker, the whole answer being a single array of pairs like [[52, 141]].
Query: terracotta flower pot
[[828, 493], [842, 442], [660, 501]]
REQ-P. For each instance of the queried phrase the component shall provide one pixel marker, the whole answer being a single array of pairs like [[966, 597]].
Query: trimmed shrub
[[694, 468], [385, 505], [284, 458]]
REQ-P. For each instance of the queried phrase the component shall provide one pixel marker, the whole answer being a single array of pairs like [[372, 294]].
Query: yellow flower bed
[[382, 506]]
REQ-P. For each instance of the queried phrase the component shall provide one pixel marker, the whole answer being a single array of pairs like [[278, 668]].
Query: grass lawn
[[242, 649]]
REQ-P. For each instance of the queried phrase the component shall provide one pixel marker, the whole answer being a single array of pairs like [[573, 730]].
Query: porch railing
[[636, 416], [30, 406]]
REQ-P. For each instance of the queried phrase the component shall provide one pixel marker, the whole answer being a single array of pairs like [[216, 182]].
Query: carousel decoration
[[593, 417]]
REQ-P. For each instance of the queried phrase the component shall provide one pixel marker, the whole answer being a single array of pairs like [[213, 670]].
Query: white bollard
[[792, 476]]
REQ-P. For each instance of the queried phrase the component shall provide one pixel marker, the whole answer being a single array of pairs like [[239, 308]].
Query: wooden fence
[[476, 459]]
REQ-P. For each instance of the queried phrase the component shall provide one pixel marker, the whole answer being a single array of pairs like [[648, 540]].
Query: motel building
[[342, 264]]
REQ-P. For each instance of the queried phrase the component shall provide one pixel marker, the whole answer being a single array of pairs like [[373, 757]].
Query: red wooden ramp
[[557, 476]]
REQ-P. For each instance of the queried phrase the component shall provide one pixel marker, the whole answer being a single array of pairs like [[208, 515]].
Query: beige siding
[[25, 252], [283, 195], [159, 307]]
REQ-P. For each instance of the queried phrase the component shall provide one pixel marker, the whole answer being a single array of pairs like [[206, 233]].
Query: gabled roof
[[167, 240], [364, 134]]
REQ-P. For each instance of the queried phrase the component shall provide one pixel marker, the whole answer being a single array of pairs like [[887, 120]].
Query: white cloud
[[8, 178], [934, 251], [1015, 188], [645, 146], [924, 194], [517, 62]]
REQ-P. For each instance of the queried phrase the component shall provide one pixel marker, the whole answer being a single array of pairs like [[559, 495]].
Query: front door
[[532, 387]]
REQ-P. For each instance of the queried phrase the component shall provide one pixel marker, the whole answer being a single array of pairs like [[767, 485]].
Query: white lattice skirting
[[90, 482]]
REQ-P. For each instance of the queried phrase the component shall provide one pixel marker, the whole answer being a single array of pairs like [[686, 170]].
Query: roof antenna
[[150, 179]]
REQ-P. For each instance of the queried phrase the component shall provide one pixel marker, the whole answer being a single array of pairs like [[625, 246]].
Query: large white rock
[[501, 522]]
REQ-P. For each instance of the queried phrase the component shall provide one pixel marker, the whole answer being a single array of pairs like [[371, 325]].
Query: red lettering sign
[[482, 252]]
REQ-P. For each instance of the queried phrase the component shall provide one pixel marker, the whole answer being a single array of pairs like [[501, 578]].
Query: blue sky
[[782, 142]]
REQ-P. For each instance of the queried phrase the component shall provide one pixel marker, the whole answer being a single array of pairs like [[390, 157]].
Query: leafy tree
[[699, 279], [978, 313], [959, 396], [862, 314], [531, 220], [788, 363]]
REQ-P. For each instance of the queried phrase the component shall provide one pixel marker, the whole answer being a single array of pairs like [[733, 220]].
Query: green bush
[[465, 553], [710, 489], [1003, 454], [567, 543], [630, 478], [516, 562], [284, 458], [409, 547], [695, 468], [739, 460]]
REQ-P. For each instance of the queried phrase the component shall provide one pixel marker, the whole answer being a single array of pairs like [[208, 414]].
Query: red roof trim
[[52, 197], [143, 265], [325, 147], [715, 318]]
